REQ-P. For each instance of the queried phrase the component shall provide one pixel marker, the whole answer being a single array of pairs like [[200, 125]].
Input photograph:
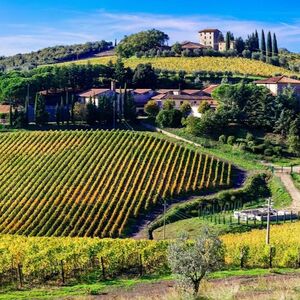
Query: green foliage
[[129, 107], [40, 113], [185, 109], [151, 108], [222, 139], [203, 107], [168, 105], [269, 45], [191, 262], [144, 76], [210, 123], [141, 41], [169, 118]]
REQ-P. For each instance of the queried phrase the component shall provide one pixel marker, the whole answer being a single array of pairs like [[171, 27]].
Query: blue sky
[[30, 25]]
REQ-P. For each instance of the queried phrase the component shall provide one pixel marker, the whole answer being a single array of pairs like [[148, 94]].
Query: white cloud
[[106, 25]]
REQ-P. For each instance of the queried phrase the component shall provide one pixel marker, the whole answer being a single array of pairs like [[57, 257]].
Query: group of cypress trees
[[269, 48]]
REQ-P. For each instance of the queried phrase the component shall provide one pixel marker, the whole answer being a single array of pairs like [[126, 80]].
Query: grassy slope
[[296, 179], [192, 64]]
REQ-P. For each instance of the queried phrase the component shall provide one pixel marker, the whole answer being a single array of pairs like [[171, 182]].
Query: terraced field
[[191, 64], [93, 183]]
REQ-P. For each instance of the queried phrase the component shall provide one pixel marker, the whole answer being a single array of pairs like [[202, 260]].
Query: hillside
[[94, 183], [53, 55], [193, 64]]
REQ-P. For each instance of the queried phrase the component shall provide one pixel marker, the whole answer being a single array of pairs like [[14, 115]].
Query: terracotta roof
[[158, 97], [142, 91], [278, 79], [166, 91], [186, 97], [191, 92], [210, 89], [93, 93], [209, 30], [192, 45], [4, 109]]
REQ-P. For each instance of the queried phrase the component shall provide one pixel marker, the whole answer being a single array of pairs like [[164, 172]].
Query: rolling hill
[[193, 64], [95, 183]]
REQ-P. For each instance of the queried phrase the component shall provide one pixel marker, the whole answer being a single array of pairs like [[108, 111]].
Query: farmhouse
[[278, 83], [192, 46], [140, 96], [193, 96], [94, 94], [210, 38]]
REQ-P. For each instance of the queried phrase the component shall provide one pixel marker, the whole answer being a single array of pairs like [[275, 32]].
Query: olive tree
[[190, 261]]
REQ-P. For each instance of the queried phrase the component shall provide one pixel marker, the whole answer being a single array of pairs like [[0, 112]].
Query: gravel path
[[292, 190]]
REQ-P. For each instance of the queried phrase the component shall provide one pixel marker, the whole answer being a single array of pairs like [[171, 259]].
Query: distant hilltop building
[[212, 38]]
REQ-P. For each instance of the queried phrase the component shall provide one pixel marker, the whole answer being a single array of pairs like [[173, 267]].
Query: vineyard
[[41, 259], [193, 64], [95, 183]]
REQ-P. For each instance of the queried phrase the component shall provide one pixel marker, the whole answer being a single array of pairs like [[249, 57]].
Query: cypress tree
[[57, 114], [275, 46], [263, 43], [40, 113], [67, 108], [256, 41], [10, 114], [62, 110], [269, 45], [228, 39], [26, 111], [72, 109]]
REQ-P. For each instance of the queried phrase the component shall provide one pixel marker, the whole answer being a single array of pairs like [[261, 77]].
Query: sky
[[29, 25]]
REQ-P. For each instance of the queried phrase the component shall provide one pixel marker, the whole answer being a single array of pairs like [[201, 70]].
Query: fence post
[[230, 219], [20, 275], [284, 217], [238, 219], [277, 220], [247, 220], [141, 265], [62, 271], [102, 267], [291, 216]]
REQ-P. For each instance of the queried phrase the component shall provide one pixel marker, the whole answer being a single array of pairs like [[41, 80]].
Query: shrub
[[230, 140], [222, 139]]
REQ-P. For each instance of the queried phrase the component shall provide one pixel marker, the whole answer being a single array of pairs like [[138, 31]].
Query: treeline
[[15, 86], [152, 43], [53, 55]]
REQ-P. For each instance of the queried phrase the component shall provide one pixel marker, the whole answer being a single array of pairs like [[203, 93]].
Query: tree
[[58, 114], [79, 112], [239, 45], [185, 109], [229, 38], [144, 76], [129, 106], [141, 41], [177, 48], [263, 43], [40, 113], [191, 261], [283, 123], [293, 139], [269, 45], [275, 46], [152, 108], [168, 105], [91, 113], [257, 41], [169, 118], [203, 107]]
